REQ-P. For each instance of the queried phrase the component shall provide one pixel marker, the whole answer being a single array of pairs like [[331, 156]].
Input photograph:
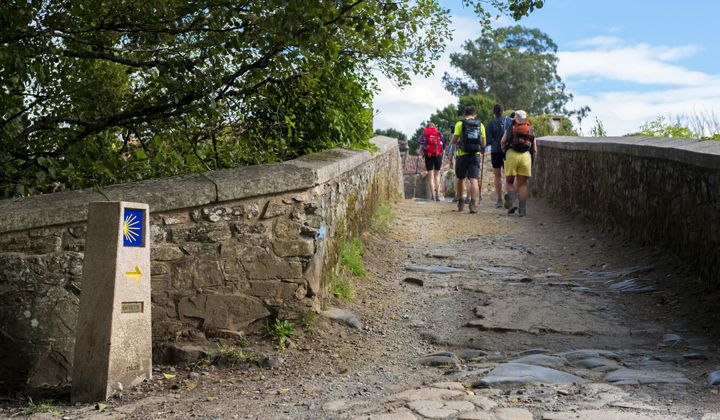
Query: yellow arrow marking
[[135, 275]]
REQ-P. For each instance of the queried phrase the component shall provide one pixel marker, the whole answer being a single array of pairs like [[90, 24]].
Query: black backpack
[[470, 139]]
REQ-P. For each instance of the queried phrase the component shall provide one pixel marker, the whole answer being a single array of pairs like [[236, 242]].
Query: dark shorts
[[467, 166], [433, 163], [497, 160]]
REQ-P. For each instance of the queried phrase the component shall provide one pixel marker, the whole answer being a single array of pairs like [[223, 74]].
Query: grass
[[351, 257], [35, 408], [280, 331], [382, 217], [231, 356], [308, 321], [341, 287]]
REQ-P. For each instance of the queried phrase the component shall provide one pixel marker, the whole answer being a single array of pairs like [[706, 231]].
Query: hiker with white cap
[[518, 142]]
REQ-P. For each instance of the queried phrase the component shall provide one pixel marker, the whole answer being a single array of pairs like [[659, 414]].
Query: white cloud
[[609, 59], [404, 109], [639, 63], [588, 68]]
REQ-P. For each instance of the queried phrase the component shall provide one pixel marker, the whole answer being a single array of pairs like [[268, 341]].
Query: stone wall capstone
[[656, 191], [229, 248]]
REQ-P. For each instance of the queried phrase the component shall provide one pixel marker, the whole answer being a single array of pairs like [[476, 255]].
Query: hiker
[[469, 136], [496, 130], [433, 147], [518, 142]]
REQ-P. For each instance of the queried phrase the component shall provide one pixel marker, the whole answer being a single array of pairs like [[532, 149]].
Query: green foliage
[[351, 257], [231, 356], [544, 126], [663, 127], [515, 65], [95, 93], [280, 330], [342, 287], [242, 342], [32, 408], [391, 132], [446, 118], [483, 106], [598, 130], [308, 321], [382, 217]]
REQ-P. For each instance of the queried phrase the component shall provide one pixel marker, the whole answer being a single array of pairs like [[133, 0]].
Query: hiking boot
[[437, 196], [513, 209], [508, 201], [471, 205], [522, 209], [461, 205], [499, 204], [467, 200]]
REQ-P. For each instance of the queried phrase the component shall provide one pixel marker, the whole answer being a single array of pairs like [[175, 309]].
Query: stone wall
[[654, 191], [229, 248]]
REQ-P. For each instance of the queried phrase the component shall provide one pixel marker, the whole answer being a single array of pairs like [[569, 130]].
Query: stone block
[[267, 268], [23, 243], [253, 181], [274, 289], [274, 208], [200, 269], [203, 233], [294, 248], [233, 312], [165, 253]]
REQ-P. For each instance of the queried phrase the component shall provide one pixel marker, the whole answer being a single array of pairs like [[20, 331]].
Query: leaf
[[209, 398], [100, 407], [169, 376]]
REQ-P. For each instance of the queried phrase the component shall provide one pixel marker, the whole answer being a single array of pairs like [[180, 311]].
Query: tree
[[516, 65], [99, 92], [391, 132]]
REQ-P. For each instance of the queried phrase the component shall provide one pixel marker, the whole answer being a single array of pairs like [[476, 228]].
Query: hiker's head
[[469, 111], [498, 110], [520, 117], [431, 125]]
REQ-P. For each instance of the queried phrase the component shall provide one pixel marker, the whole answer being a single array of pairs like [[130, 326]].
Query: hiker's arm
[[503, 140], [536, 148]]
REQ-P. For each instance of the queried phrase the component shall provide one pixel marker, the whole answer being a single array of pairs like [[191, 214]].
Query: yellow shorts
[[518, 164]]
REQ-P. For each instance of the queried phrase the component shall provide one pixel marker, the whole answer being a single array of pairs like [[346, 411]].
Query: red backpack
[[433, 144], [522, 136]]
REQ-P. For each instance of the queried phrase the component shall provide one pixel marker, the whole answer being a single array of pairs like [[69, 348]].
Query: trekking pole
[[482, 169]]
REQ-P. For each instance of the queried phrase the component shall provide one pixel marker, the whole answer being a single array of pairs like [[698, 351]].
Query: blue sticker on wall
[[133, 227]]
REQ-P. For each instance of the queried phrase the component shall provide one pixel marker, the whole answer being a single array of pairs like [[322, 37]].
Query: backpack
[[470, 139], [522, 137], [433, 144], [500, 126]]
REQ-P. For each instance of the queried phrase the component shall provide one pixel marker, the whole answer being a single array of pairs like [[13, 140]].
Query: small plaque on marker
[[131, 307]]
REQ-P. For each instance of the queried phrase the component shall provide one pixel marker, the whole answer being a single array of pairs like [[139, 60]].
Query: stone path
[[480, 316], [534, 319]]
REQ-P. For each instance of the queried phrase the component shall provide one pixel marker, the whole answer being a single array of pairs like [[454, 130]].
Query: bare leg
[[474, 190], [459, 188], [511, 194], [522, 189], [431, 182], [498, 182]]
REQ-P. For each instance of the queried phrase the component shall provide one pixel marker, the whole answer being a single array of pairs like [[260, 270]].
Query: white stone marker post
[[113, 344]]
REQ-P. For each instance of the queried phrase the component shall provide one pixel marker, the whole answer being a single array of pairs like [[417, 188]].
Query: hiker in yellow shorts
[[518, 142]]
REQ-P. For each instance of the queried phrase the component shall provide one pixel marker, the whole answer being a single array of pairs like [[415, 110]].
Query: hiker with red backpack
[[518, 142], [433, 147]]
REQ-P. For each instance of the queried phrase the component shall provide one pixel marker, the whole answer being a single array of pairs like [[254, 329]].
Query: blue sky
[[630, 61]]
